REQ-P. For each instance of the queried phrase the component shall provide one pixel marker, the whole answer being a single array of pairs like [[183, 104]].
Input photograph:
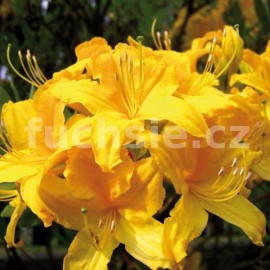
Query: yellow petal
[[176, 111], [188, 220], [146, 193], [82, 255], [251, 79], [143, 241], [242, 213], [109, 135], [16, 117], [87, 92], [19, 207], [28, 189], [51, 110], [169, 160], [92, 47], [19, 165], [159, 80]]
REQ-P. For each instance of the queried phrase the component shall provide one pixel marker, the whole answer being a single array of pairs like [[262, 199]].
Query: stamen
[[167, 41], [224, 32], [221, 171], [248, 176], [140, 40], [92, 236], [112, 226], [235, 171], [159, 40], [153, 34], [127, 85], [242, 171], [234, 162], [34, 75], [100, 223], [156, 36]]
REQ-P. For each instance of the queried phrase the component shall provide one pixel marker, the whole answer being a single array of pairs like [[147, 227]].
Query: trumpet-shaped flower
[[107, 209], [29, 132], [122, 88], [211, 174]]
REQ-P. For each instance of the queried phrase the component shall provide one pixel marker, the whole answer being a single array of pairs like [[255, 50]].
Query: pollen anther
[[221, 171]]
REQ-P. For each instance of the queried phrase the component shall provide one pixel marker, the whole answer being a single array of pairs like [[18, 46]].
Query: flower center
[[100, 233]]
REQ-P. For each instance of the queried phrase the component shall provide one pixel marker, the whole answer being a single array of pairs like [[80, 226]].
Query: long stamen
[[156, 36], [167, 41], [140, 40], [153, 34], [93, 237], [227, 185], [34, 75], [127, 85]]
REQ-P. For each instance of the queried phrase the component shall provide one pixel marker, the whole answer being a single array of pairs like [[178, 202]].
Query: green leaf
[[8, 185], [7, 211]]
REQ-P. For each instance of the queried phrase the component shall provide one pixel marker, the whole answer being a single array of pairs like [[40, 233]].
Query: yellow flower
[[30, 132], [211, 174], [202, 90], [107, 209], [122, 88], [255, 71]]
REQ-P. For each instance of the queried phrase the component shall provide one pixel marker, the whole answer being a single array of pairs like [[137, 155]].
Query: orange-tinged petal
[[97, 185], [242, 213], [58, 198], [188, 220], [90, 48], [82, 255], [146, 194]]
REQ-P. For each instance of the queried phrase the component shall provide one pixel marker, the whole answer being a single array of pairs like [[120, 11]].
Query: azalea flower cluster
[[140, 118]]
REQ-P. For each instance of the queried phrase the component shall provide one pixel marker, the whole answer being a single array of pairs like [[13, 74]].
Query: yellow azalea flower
[[255, 71], [30, 132], [107, 209], [209, 184], [122, 88], [201, 90], [255, 112], [211, 174]]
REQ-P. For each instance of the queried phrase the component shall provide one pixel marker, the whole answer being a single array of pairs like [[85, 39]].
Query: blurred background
[[51, 29]]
